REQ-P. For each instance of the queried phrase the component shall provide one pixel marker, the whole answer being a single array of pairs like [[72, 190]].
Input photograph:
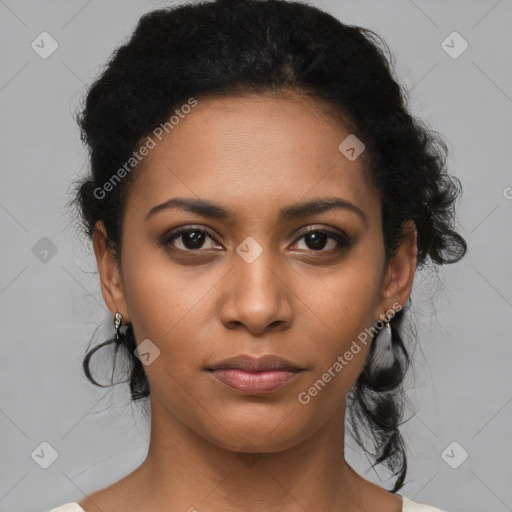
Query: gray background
[[50, 305]]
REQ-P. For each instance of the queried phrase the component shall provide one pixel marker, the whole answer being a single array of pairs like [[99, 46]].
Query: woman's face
[[250, 281]]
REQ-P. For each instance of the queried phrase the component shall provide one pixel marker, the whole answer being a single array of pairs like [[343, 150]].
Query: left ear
[[399, 276]]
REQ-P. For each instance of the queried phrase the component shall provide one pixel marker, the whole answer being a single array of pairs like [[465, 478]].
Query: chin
[[259, 434]]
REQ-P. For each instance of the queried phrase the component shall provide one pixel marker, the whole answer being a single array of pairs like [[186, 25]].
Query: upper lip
[[255, 364]]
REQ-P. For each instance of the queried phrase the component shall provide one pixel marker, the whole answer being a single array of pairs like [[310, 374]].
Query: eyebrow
[[216, 211]]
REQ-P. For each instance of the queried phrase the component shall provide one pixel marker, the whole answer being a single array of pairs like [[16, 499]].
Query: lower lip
[[249, 382]]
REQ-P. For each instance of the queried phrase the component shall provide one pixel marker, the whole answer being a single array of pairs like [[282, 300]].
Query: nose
[[256, 296]]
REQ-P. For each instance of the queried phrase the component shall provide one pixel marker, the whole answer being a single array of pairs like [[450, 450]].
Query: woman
[[259, 201]]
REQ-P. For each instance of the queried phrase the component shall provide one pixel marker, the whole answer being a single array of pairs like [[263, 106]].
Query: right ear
[[109, 272]]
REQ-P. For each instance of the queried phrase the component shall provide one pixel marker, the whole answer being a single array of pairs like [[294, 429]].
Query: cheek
[[345, 304], [160, 294], [172, 305], [166, 306], [345, 299]]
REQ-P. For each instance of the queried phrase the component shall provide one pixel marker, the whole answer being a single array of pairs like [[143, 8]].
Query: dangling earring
[[118, 322], [383, 352]]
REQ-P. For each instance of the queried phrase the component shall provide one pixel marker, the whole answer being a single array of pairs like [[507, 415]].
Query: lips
[[251, 375], [255, 364]]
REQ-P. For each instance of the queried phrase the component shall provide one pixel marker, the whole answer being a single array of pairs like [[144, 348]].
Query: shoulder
[[413, 506], [68, 507], [408, 506]]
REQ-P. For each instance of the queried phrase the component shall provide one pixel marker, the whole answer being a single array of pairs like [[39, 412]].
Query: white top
[[409, 506]]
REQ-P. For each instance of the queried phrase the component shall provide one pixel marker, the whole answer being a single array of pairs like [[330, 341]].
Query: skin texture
[[252, 155]]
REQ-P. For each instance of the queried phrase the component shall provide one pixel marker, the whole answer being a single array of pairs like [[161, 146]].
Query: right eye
[[191, 238]]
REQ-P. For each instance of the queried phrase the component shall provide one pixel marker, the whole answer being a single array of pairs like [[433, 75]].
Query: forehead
[[252, 154]]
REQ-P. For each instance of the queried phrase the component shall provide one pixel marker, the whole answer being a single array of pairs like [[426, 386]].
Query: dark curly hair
[[239, 47]]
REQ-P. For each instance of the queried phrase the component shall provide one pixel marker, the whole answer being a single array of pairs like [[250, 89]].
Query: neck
[[184, 470]]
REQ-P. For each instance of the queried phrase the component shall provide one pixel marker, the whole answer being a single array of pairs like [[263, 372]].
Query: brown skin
[[252, 155]]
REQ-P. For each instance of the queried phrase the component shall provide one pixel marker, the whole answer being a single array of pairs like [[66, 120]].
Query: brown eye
[[191, 239], [318, 239]]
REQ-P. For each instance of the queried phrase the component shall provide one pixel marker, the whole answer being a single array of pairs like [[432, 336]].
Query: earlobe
[[401, 269], [109, 272]]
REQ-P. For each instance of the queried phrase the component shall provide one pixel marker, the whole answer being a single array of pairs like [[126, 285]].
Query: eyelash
[[342, 241]]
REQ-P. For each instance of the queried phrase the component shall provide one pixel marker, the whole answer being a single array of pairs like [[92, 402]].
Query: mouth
[[251, 375]]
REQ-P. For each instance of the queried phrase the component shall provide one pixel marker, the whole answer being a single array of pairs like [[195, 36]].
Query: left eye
[[316, 240]]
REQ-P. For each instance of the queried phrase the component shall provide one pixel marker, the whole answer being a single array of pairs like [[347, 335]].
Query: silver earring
[[118, 322], [383, 352]]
